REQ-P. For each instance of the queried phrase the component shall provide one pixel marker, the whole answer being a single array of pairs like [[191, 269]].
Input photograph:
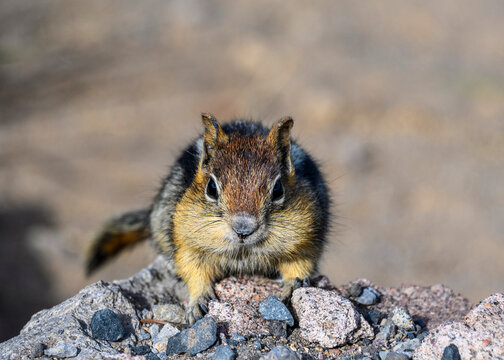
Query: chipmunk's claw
[[306, 282], [193, 314]]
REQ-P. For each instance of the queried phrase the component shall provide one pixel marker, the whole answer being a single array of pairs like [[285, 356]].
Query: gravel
[[160, 340], [107, 325], [274, 309]]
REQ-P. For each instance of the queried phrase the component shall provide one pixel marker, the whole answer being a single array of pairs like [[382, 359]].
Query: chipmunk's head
[[245, 179]]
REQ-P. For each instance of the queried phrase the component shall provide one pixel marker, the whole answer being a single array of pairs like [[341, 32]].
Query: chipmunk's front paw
[[306, 282], [199, 308], [289, 287]]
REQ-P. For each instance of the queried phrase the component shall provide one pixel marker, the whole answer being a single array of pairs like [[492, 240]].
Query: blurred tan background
[[402, 103]]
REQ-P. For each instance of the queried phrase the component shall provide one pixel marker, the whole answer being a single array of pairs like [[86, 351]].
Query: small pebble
[[396, 356], [366, 341], [196, 339], [374, 317], [107, 325], [277, 328], [355, 290], [169, 312], [274, 309], [154, 331], [144, 335], [280, 353], [387, 331], [224, 352], [408, 345], [451, 352], [37, 350], [369, 296], [159, 342], [257, 345], [62, 350], [402, 319], [140, 350]]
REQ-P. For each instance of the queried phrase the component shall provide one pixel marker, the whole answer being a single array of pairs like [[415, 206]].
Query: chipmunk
[[240, 199]]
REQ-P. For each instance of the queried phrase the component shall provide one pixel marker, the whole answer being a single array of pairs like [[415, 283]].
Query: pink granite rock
[[479, 336], [327, 318]]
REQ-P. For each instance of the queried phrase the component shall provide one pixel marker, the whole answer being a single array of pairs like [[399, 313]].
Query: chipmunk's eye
[[211, 190], [278, 191]]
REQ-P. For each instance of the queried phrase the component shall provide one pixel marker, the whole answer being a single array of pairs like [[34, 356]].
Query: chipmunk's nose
[[244, 224]]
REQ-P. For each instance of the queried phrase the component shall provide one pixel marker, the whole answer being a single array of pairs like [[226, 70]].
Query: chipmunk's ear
[[214, 137], [279, 139]]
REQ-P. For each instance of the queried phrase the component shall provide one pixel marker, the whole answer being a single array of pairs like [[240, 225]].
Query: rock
[[107, 325], [387, 332], [328, 318], [154, 331], [196, 339], [172, 313], [355, 290], [240, 317], [396, 356], [277, 328], [369, 296], [451, 353], [161, 338], [402, 319], [224, 352], [140, 350], [62, 350], [408, 345], [69, 321], [479, 336], [374, 317], [274, 309], [280, 353]]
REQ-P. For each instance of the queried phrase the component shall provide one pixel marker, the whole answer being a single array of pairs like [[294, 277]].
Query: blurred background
[[401, 102]]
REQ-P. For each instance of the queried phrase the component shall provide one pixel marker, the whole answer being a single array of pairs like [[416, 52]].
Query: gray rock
[[74, 315], [161, 338], [172, 313], [224, 352], [451, 353], [408, 345], [62, 350], [280, 353], [107, 325], [402, 319], [387, 332], [327, 318], [369, 296], [194, 340], [277, 328], [274, 309]]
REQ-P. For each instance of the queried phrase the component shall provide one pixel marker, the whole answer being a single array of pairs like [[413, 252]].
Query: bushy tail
[[117, 234]]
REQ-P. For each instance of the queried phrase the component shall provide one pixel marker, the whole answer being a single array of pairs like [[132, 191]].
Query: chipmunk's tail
[[117, 234]]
